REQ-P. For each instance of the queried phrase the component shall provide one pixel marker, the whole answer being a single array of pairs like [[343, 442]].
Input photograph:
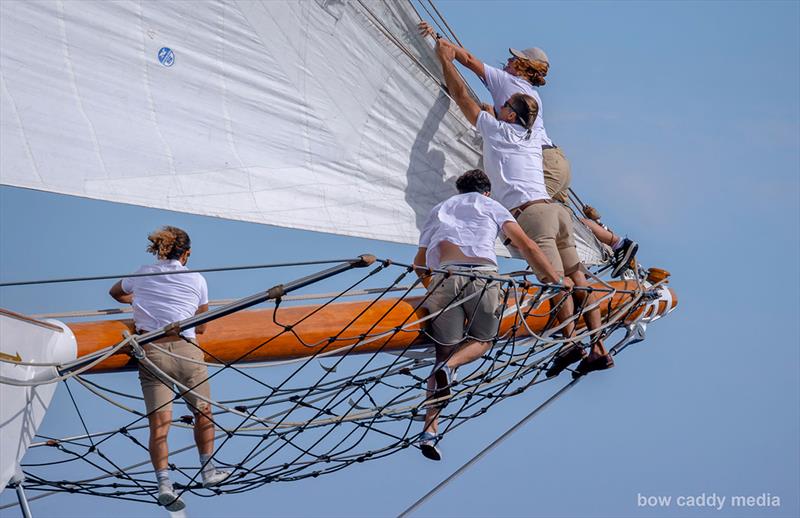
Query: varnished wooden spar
[[251, 336]]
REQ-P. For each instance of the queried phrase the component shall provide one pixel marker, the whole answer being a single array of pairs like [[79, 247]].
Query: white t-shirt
[[512, 162], [160, 300], [470, 221], [503, 85]]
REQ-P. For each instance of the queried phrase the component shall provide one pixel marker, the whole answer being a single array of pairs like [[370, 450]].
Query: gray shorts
[[478, 317]]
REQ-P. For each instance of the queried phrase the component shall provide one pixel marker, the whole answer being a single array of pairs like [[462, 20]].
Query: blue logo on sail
[[166, 57]]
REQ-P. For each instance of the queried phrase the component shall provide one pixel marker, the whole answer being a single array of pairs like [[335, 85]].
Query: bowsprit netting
[[304, 417]]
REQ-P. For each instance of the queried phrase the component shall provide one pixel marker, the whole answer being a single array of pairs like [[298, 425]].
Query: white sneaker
[[170, 501], [215, 477]]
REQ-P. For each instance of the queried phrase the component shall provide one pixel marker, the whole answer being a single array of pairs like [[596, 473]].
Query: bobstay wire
[[336, 407]]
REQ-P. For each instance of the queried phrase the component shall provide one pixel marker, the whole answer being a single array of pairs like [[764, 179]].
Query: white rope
[[55, 379]]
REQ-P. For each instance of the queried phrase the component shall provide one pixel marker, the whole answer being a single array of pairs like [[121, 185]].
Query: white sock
[[164, 483], [617, 243], [209, 464]]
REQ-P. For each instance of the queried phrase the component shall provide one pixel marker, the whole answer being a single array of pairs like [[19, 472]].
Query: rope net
[[306, 417]]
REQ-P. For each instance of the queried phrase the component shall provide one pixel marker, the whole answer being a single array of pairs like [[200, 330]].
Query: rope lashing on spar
[[316, 415]]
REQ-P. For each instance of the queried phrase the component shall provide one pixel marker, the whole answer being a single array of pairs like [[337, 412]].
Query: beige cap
[[533, 54]]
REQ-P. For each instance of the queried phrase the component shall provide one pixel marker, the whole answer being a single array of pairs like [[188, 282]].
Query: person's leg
[[591, 317], [158, 395], [598, 358], [204, 439], [194, 376], [540, 223], [565, 312], [447, 327], [159, 455], [624, 249], [204, 431], [427, 444], [432, 412], [602, 234], [468, 352], [567, 353], [557, 173], [482, 311], [159, 429]]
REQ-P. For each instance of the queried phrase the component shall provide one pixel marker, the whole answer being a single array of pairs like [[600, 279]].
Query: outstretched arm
[[533, 254], [462, 55], [455, 83]]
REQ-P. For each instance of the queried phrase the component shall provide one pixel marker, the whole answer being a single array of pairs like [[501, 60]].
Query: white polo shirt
[[512, 162], [470, 221], [163, 299], [503, 85]]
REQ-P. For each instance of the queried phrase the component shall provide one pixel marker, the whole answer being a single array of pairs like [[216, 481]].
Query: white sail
[[299, 114], [322, 115]]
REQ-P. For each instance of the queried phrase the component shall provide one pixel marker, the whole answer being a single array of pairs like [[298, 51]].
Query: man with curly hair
[[158, 300]]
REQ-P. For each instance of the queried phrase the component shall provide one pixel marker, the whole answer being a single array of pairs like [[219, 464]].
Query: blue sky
[[682, 124]]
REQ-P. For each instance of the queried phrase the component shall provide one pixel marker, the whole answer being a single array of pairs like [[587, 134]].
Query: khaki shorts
[[477, 318], [550, 226], [158, 394], [557, 174]]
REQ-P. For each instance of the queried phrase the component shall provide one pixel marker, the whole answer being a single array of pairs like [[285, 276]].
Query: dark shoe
[[599, 363], [623, 256], [427, 444], [564, 359]]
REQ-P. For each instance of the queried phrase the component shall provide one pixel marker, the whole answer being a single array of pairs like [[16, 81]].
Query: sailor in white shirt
[[511, 158], [159, 300], [460, 235], [524, 72]]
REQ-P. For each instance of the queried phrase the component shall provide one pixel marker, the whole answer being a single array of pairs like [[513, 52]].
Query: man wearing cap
[[524, 70]]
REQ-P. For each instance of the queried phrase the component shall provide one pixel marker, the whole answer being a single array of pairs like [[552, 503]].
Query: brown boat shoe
[[589, 364], [564, 359]]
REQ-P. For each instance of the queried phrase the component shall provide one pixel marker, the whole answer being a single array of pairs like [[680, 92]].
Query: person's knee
[[201, 416]]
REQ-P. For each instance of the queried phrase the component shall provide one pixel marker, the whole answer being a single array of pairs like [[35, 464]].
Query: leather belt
[[516, 211], [549, 146], [165, 339]]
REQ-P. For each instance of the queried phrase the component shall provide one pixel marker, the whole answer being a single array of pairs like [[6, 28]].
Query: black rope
[[171, 272]]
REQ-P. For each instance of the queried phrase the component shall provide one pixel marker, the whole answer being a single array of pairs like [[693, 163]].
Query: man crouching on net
[[459, 235], [158, 301]]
